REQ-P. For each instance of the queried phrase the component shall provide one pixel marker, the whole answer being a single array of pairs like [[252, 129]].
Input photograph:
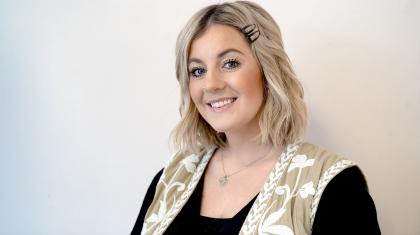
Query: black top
[[345, 208]]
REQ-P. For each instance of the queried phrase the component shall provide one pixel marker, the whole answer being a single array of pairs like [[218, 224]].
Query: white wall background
[[88, 96]]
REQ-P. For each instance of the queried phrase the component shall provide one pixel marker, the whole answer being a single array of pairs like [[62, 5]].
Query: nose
[[213, 81]]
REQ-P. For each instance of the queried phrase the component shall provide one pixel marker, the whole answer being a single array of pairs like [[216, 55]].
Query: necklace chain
[[225, 178]]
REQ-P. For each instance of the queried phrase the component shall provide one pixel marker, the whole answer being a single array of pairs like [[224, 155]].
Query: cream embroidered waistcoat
[[286, 204]]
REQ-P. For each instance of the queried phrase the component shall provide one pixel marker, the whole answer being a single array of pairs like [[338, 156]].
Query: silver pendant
[[223, 180]]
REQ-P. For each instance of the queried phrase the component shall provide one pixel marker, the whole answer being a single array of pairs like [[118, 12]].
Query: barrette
[[251, 31]]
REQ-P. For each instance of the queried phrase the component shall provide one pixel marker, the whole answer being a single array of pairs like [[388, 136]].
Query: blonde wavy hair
[[283, 116]]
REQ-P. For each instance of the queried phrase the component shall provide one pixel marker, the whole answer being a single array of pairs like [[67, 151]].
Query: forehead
[[217, 38]]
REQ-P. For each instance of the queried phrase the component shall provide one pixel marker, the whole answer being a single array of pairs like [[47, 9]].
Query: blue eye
[[197, 72], [231, 64]]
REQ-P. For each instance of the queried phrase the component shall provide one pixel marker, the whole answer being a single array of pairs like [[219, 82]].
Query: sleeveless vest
[[286, 204]]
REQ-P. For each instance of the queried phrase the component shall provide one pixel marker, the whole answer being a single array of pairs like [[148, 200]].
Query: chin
[[220, 128]]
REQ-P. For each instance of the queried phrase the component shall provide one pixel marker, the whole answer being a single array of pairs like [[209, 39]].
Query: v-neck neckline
[[198, 199]]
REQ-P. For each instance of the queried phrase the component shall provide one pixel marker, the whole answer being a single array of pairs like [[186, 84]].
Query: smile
[[221, 104]]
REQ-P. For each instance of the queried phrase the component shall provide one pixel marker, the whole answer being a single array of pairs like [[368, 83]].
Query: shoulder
[[341, 198], [148, 198], [352, 178], [346, 203], [156, 178], [347, 182], [319, 153], [325, 164], [318, 166]]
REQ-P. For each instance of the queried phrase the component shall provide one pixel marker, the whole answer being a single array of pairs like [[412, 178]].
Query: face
[[225, 82]]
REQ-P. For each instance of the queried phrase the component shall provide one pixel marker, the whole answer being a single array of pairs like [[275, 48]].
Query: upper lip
[[219, 99]]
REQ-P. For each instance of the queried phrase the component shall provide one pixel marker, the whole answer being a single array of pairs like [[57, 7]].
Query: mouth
[[220, 104]]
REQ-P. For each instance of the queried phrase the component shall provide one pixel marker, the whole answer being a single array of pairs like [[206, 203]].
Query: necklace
[[225, 178]]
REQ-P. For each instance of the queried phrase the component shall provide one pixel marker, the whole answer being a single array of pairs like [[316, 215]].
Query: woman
[[240, 167]]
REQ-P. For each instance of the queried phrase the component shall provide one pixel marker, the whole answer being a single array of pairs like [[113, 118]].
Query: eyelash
[[235, 61], [203, 70], [194, 69]]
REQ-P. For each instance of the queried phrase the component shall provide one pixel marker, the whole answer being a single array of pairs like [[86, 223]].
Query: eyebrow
[[220, 55]]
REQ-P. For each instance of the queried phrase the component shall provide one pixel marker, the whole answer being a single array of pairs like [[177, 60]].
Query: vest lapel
[[173, 191], [252, 222]]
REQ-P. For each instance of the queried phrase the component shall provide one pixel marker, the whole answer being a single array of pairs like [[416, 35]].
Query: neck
[[243, 147]]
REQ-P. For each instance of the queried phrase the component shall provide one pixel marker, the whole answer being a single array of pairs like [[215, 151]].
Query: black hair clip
[[251, 31]]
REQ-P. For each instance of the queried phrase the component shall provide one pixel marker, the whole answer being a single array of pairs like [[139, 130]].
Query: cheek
[[252, 86], [195, 92]]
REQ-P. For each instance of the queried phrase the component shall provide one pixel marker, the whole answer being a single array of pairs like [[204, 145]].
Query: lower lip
[[221, 109]]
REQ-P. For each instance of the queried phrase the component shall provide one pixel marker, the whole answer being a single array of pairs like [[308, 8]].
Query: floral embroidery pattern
[[190, 163], [163, 217], [159, 216], [300, 161], [307, 189], [268, 225], [181, 176], [260, 205]]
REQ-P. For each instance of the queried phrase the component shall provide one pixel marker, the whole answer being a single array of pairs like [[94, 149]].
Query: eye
[[197, 72], [231, 64]]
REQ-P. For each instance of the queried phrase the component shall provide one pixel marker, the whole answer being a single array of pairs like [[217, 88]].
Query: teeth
[[221, 103]]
